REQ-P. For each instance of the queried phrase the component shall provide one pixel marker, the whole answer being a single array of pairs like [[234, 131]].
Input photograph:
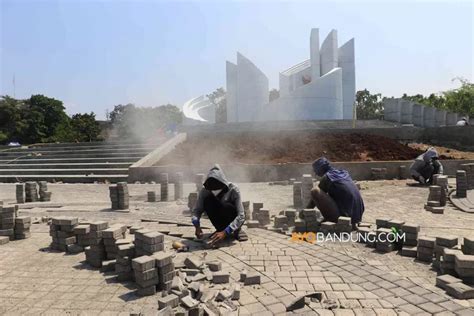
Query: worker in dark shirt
[[220, 200], [336, 195]]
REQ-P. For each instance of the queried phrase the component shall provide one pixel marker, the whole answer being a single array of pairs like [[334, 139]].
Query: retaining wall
[[266, 173]]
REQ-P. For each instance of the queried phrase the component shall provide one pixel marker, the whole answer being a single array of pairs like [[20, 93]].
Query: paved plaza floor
[[355, 280]]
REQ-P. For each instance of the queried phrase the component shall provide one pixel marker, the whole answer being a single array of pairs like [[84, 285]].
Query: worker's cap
[[321, 166]]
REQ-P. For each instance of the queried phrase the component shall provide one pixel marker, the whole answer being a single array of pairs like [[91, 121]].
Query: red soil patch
[[285, 147]]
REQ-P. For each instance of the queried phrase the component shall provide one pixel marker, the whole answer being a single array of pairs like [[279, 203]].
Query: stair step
[[40, 166], [65, 178], [20, 172]]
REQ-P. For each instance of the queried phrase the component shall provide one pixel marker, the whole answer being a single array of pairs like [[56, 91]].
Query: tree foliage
[[369, 106], [460, 100], [144, 123], [38, 119]]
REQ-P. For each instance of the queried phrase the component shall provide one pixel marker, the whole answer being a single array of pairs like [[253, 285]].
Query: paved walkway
[[354, 279]]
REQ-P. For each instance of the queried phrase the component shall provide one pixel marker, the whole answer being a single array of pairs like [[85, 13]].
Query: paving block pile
[[119, 196], [164, 182], [12, 226]]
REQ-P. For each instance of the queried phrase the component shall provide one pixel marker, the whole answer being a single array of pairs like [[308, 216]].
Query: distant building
[[320, 88]]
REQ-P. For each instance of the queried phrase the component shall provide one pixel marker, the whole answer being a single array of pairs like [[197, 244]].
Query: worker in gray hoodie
[[425, 166], [221, 201]]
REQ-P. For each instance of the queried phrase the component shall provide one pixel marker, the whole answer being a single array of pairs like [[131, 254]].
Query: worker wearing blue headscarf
[[337, 195]]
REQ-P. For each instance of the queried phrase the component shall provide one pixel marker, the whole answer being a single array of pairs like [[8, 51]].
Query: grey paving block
[[168, 301], [143, 263], [162, 258], [447, 241], [460, 290], [220, 277], [443, 280], [252, 278]]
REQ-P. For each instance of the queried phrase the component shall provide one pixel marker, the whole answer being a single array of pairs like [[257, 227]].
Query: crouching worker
[[337, 195], [425, 166], [221, 201]]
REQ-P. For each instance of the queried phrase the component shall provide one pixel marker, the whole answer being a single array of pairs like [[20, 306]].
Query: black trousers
[[220, 214]]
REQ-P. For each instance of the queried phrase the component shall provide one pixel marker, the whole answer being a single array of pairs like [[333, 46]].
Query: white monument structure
[[320, 88]]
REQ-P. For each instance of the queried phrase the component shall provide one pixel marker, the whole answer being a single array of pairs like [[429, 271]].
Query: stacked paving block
[[164, 181], [425, 248], [343, 225], [378, 173], [113, 194], [464, 265], [199, 181], [7, 222], [385, 240], [82, 232], [148, 242], [165, 269], [123, 196], [435, 199], [123, 261], [178, 185], [280, 222], [145, 275], [44, 194], [306, 187], [461, 184], [263, 217], [22, 227], [300, 225], [110, 237], [327, 228], [151, 196], [119, 196], [20, 193], [469, 168], [468, 246], [297, 198], [366, 234], [442, 243], [95, 253], [312, 218], [447, 264], [192, 199], [411, 239], [256, 208], [396, 226], [248, 214], [291, 216], [61, 230], [31, 192]]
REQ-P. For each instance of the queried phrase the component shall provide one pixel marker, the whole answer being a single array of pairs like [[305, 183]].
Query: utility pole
[[14, 87]]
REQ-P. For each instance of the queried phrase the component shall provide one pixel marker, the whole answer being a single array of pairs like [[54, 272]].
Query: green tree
[[461, 100], [141, 124], [44, 115], [218, 98], [85, 127], [369, 106]]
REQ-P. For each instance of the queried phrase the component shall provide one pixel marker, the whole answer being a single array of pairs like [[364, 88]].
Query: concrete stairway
[[71, 162]]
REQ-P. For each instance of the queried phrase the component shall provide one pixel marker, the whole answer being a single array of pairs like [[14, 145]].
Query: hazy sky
[[95, 54]]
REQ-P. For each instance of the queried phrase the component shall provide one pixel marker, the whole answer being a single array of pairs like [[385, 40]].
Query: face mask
[[216, 192]]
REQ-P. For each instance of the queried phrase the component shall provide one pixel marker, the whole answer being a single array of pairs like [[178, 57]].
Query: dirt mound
[[285, 147]]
